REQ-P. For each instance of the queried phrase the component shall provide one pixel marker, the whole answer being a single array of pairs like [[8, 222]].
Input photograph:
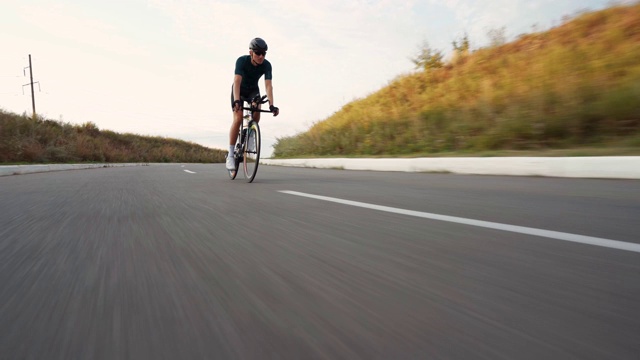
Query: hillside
[[575, 85], [24, 140]]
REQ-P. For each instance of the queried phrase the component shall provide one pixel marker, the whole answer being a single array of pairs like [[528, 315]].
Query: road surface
[[179, 262]]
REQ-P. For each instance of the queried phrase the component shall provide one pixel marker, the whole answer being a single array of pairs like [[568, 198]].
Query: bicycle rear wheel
[[251, 158], [234, 173]]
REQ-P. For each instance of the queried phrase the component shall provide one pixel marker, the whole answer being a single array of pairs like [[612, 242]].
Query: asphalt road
[[160, 263]]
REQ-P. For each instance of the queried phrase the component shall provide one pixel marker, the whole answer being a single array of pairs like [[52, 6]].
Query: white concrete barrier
[[607, 167], [604, 167], [30, 169]]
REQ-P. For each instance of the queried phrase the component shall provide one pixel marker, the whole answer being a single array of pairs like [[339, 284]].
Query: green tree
[[463, 46], [428, 58]]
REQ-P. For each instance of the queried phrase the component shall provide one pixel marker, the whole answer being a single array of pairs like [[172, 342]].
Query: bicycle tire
[[251, 158]]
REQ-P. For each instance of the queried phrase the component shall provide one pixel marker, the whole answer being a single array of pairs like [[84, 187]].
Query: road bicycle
[[247, 149]]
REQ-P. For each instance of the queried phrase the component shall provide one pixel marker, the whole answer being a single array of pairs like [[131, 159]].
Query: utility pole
[[33, 96]]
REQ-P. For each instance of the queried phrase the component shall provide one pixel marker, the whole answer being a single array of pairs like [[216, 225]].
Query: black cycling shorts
[[246, 94]]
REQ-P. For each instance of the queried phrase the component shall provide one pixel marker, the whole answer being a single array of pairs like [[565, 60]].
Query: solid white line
[[613, 244], [190, 172]]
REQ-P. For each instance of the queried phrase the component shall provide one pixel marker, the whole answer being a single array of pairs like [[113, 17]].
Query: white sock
[[231, 147]]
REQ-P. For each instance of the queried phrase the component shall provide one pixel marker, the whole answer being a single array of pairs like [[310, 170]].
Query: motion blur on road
[[158, 262]]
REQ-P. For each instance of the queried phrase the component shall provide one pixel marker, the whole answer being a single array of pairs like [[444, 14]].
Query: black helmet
[[258, 44]]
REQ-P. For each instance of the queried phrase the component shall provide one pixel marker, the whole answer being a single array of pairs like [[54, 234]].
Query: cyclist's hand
[[237, 105], [274, 110]]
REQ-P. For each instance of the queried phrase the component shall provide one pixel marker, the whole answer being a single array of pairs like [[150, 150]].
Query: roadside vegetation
[[27, 140], [573, 90], [574, 87]]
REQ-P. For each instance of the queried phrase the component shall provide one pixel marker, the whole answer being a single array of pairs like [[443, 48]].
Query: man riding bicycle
[[249, 69]]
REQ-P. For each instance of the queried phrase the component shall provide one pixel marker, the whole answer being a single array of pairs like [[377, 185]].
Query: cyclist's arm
[[237, 81], [269, 87]]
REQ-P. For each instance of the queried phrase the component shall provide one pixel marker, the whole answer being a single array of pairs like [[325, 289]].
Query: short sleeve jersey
[[250, 73]]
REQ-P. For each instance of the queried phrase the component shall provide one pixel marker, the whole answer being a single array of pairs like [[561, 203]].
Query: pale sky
[[165, 67]]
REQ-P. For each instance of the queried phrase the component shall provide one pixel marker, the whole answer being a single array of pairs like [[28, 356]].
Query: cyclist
[[249, 69]]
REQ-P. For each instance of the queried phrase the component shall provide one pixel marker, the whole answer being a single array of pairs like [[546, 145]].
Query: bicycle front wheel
[[251, 157]]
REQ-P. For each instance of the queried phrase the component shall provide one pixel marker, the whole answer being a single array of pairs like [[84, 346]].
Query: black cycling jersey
[[250, 73]]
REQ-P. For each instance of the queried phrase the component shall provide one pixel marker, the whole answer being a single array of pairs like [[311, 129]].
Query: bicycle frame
[[244, 153]]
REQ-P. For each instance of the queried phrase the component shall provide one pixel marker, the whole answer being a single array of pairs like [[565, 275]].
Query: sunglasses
[[259, 52]]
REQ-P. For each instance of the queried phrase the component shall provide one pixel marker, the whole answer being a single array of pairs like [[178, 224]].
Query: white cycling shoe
[[231, 163]]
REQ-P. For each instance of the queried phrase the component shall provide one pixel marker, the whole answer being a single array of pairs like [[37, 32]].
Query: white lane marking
[[613, 244], [190, 172]]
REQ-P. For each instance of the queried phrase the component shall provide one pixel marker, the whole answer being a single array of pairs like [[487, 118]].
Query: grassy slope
[[574, 86], [24, 140]]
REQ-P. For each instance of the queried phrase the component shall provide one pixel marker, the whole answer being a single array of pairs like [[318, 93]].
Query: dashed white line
[[190, 172], [613, 244]]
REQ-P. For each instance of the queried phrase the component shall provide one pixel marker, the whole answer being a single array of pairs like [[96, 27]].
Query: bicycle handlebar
[[257, 110], [256, 100]]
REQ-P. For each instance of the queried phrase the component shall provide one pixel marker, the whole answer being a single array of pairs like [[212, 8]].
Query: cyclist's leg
[[256, 115], [235, 125], [233, 132], [254, 93]]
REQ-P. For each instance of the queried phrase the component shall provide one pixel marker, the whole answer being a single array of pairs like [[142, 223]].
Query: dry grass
[[574, 86], [25, 140]]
